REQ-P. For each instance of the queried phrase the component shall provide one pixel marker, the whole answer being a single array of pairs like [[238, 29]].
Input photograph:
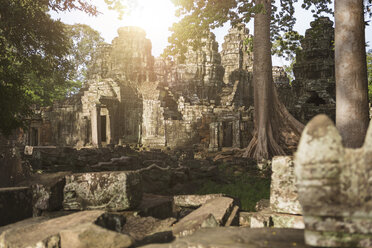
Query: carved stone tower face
[[128, 57], [235, 52]]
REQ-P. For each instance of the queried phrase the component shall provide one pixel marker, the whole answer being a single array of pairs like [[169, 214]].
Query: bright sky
[[156, 16]]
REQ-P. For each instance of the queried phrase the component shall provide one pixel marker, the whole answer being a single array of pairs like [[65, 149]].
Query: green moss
[[247, 187]]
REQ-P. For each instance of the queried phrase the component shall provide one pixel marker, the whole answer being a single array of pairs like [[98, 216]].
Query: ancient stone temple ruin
[[313, 90], [132, 98]]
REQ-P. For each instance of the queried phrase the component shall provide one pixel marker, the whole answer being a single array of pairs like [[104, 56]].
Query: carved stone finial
[[334, 187]]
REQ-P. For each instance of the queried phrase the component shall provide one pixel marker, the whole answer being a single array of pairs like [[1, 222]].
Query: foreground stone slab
[[115, 191], [228, 237], [213, 213], [283, 190], [193, 201], [46, 233], [93, 236], [334, 187], [15, 204]]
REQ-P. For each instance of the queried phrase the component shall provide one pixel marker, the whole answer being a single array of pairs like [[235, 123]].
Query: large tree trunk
[[276, 131], [351, 72]]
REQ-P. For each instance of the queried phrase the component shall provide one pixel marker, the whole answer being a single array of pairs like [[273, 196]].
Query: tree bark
[[352, 113], [276, 131]]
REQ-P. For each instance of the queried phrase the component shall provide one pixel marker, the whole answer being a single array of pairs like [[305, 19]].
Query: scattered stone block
[[268, 218], [193, 201], [283, 191], [157, 206], [261, 219], [46, 232], [115, 191], [213, 213], [92, 236], [287, 221], [225, 237], [15, 204], [245, 219]]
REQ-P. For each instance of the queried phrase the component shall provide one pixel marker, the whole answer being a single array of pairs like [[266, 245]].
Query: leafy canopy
[[200, 16], [38, 56]]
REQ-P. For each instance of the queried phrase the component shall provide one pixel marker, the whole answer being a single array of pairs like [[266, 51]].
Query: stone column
[[95, 114], [236, 134], [213, 139]]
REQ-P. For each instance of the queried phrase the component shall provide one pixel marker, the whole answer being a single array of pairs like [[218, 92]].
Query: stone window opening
[[315, 99]]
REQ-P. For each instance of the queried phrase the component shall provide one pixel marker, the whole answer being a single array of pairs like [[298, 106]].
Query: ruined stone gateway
[[132, 98]]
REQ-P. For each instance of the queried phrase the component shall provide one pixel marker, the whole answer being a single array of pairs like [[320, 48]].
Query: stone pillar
[[108, 128], [96, 125], [236, 134], [214, 136]]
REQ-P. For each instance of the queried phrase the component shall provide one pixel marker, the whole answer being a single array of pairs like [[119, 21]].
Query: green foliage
[[32, 59], [369, 70], [287, 45], [247, 187], [40, 59], [289, 70], [200, 16], [84, 42]]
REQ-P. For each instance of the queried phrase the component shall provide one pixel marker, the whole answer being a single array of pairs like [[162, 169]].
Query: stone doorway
[[34, 137], [227, 129], [103, 128]]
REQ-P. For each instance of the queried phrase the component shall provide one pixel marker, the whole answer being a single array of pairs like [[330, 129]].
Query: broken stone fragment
[[47, 191], [193, 200], [46, 233], [92, 236], [146, 230], [283, 189], [213, 213], [15, 204], [114, 191], [268, 218]]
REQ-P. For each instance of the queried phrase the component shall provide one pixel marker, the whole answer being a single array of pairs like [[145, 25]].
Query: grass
[[245, 186]]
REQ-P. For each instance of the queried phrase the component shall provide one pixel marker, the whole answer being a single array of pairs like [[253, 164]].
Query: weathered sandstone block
[[213, 213], [47, 191], [334, 186], [114, 191], [41, 233], [283, 191], [193, 200]]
